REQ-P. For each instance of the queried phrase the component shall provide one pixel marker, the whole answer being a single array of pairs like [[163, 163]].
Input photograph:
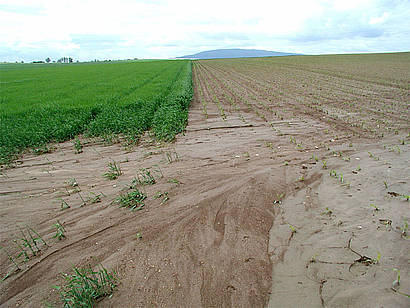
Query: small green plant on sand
[[85, 287], [404, 229], [16, 266], [292, 228], [396, 284], [163, 195], [376, 208], [327, 211], [60, 231], [174, 181], [144, 177], [72, 182], [279, 198], [114, 171], [133, 200], [63, 205], [78, 146]]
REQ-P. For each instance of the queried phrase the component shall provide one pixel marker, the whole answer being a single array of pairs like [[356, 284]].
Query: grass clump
[[144, 177], [60, 231], [114, 171], [133, 200], [85, 287]]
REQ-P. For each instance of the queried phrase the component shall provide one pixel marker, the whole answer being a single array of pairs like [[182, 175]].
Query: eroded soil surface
[[288, 189]]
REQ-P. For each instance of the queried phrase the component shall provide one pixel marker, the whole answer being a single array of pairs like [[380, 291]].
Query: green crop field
[[42, 103]]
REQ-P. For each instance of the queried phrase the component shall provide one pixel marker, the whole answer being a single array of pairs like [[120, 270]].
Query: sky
[[123, 29]]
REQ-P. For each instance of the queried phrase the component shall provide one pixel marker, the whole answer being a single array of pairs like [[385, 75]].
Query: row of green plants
[[157, 100]]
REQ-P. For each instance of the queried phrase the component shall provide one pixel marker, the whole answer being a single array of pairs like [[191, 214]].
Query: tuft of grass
[[72, 182], [78, 147], [327, 211], [376, 208], [174, 181], [63, 205], [60, 232], [133, 200], [144, 177], [114, 171], [85, 287], [292, 228], [16, 266]]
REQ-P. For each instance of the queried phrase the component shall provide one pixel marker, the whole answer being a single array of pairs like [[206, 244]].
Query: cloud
[[88, 29]]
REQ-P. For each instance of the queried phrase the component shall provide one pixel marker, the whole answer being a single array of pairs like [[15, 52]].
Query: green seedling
[[72, 182], [39, 238], [133, 200], [404, 229], [333, 173], [370, 154], [157, 195], [327, 211], [396, 284], [292, 228], [85, 287], [375, 208], [301, 178], [158, 170], [246, 154], [144, 177], [95, 198], [279, 198], [385, 184], [269, 145], [170, 159], [286, 163], [16, 266], [314, 157], [60, 232], [138, 236], [174, 181], [78, 146], [114, 171], [324, 164], [406, 197], [64, 205], [82, 199], [23, 251], [341, 178], [31, 245], [165, 198], [43, 149]]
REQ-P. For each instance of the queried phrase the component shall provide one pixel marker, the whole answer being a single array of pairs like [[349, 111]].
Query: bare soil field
[[289, 188]]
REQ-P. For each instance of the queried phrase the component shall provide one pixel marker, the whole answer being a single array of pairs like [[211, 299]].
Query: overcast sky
[[89, 29]]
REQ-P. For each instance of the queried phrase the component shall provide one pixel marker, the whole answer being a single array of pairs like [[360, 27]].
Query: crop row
[[76, 99]]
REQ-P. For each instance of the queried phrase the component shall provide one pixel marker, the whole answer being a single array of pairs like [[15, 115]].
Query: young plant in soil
[[85, 287], [133, 200], [114, 171], [60, 231]]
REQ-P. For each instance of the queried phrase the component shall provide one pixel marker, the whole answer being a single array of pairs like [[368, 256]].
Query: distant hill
[[235, 53]]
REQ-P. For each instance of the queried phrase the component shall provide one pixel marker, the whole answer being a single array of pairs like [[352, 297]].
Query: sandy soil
[[254, 217]]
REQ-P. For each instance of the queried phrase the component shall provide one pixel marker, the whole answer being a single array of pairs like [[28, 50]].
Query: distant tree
[[70, 60], [48, 60]]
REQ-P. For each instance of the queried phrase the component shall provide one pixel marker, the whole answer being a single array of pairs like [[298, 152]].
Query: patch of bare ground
[[286, 190]]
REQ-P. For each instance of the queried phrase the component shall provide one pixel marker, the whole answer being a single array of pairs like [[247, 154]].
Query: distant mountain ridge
[[235, 53]]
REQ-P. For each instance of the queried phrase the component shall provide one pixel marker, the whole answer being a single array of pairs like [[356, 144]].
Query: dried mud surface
[[254, 218]]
